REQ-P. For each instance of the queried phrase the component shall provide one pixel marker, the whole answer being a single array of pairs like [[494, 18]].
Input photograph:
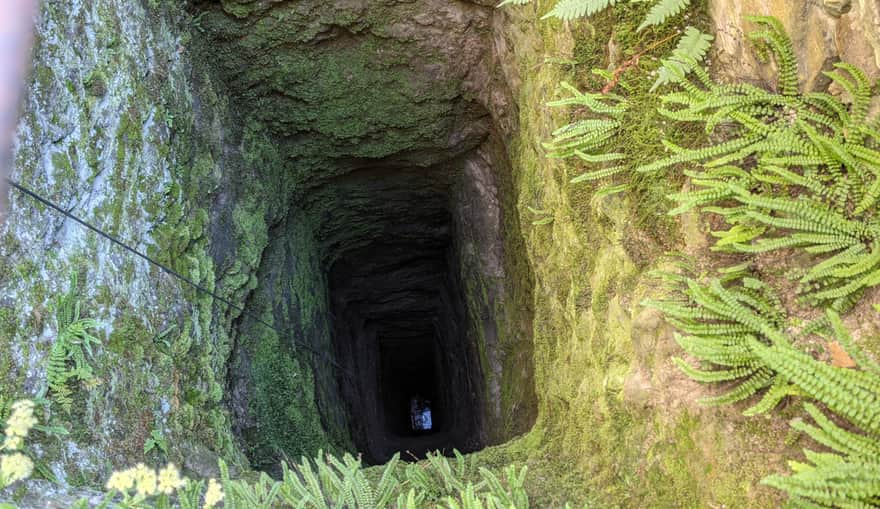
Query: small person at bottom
[[420, 413]]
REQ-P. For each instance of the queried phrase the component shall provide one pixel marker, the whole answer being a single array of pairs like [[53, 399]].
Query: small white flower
[[15, 467], [121, 481], [145, 480], [213, 495], [21, 420], [170, 480]]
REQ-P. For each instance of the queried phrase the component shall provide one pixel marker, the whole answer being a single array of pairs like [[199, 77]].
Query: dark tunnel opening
[[400, 320], [410, 376], [374, 147], [397, 272]]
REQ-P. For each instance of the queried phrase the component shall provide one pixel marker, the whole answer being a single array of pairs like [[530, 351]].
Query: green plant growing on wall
[[327, 482], [792, 171], [717, 324], [796, 171], [156, 442], [67, 358], [598, 124], [847, 477], [661, 10], [738, 330], [586, 137], [690, 50]]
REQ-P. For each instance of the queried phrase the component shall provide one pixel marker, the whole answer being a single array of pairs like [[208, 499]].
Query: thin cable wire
[[33, 195]]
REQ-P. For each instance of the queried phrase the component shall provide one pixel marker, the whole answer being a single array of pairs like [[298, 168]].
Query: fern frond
[[831, 435], [751, 386], [840, 389], [775, 39], [777, 392], [663, 10], [701, 154], [598, 174], [825, 268], [572, 9], [72, 343], [849, 484], [712, 376]]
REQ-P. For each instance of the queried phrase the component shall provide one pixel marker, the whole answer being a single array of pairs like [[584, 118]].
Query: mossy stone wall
[[617, 425]]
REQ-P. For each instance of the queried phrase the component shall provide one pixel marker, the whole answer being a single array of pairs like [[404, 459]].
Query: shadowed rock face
[[338, 83], [384, 119]]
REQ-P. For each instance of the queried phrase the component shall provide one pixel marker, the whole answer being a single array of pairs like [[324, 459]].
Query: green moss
[[251, 232], [95, 83], [592, 441], [44, 77], [8, 323], [12, 376], [237, 8], [130, 337], [63, 170], [336, 99], [282, 400]]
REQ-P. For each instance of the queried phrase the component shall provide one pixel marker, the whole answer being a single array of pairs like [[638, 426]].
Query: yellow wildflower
[[170, 480], [22, 419], [15, 467], [145, 480], [12, 443], [121, 481], [213, 495]]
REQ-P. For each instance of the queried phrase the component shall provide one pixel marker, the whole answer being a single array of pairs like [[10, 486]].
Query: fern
[[566, 10], [68, 357], [739, 330], [848, 477], [798, 171], [330, 482], [663, 10], [832, 484], [833, 436], [572, 9], [586, 138], [585, 135], [691, 48], [772, 39], [795, 171], [720, 322], [845, 392]]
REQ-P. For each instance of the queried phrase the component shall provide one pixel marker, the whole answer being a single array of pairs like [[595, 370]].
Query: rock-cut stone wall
[[122, 130], [823, 32]]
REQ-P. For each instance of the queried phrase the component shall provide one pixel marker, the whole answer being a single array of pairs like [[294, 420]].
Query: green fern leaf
[[572, 9], [663, 10]]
